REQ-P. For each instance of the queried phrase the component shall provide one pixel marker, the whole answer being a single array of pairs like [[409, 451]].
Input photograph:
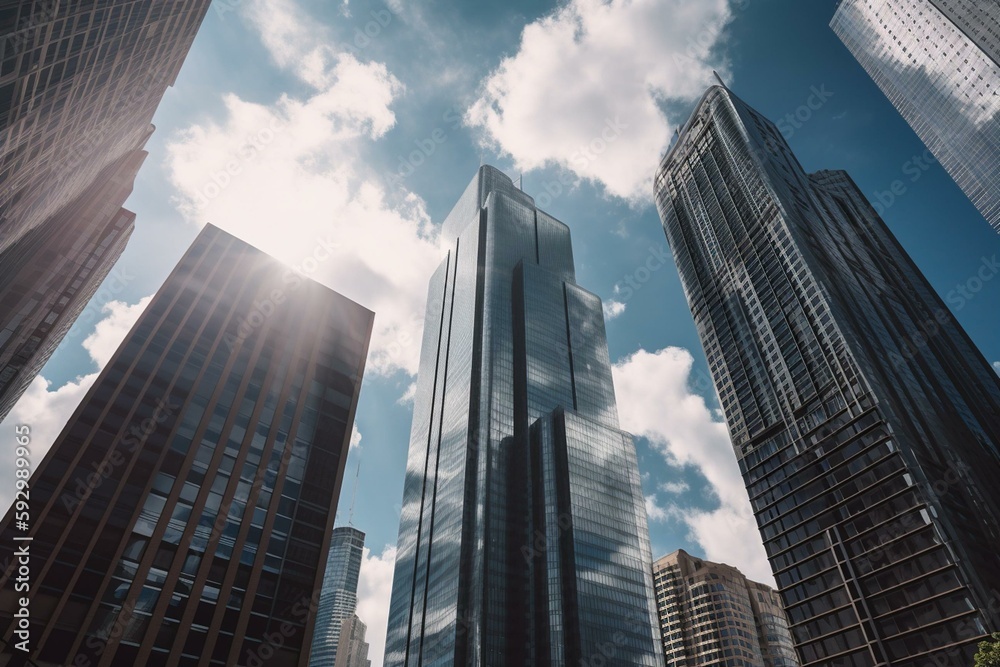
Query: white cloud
[[374, 592], [675, 488], [613, 309], [355, 438], [46, 410], [996, 366], [586, 87], [289, 178], [111, 331], [658, 513], [655, 402]]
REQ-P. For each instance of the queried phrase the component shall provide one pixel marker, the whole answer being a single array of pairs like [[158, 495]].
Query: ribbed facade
[[523, 537], [866, 423], [938, 62], [339, 596], [710, 614], [183, 516]]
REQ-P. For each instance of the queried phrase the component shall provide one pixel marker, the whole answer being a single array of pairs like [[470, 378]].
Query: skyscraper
[[523, 537], [866, 423], [49, 275], [339, 596], [79, 84], [184, 514], [354, 649], [938, 62], [710, 614]]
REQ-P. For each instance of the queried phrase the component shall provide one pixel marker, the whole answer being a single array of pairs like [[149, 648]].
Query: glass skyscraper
[[710, 614], [523, 537], [938, 62], [865, 422], [339, 596], [184, 514]]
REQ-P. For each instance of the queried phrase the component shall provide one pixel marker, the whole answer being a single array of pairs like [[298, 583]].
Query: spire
[[354, 494]]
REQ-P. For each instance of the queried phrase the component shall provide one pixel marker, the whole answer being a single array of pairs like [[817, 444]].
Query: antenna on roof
[[719, 79], [520, 182], [354, 495]]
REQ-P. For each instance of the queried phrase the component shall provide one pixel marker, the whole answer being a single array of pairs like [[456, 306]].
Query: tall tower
[[79, 84], [49, 275], [866, 423], [938, 62], [339, 596], [184, 514], [711, 614], [523, 538]]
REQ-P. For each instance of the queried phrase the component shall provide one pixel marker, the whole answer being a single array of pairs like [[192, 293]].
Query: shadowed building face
[[183, 516]]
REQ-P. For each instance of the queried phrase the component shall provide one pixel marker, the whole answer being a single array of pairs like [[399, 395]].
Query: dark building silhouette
[[79, 84], [184, 514], [866, 423], [523, 538], [48, 277]]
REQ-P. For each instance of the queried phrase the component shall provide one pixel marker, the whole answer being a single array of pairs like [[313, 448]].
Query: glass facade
[[866, 423], [523, 537], [184, 514], [339, 596], [710, 614], [938, 62], [79, 84]]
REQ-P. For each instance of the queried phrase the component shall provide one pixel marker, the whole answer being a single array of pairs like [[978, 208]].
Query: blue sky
[[301, 122]]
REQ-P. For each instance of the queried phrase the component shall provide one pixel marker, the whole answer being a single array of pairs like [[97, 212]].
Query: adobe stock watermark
[[425, 148], [917, 341], [796, 120], [632, 284], [254, 146], [580, 160], [263, 309], [370, 31], [130, 444], [914, 169]]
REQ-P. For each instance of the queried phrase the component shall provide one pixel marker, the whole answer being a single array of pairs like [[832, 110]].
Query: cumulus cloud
[[355, 438], [656, 403], [587, 87], [374, 592], [45, 410], [613, 309], [675, 488], [289, 177]]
